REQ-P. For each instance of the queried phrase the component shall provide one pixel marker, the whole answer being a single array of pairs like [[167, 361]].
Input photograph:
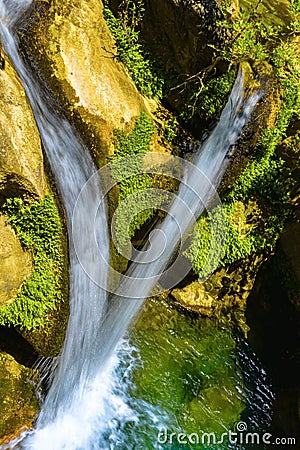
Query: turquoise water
[[189, 375]]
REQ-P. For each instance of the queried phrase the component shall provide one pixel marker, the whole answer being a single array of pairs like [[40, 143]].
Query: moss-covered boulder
[[73, 49], [18, 403], [21, 158], [21, 174], [23, 181], [15, 263]]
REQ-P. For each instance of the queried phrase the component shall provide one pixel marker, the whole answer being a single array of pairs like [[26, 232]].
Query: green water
[[188, 377]]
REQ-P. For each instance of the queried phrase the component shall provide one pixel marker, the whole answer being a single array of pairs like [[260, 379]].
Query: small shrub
[[132, 214], [142, 68]]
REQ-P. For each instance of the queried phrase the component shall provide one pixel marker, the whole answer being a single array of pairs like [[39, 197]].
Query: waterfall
[[72, 165], [97, 323], [201, 179]]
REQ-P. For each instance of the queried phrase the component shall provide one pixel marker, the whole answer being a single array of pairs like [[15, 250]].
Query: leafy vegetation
[[250, 38], [207, 99], [253, 36], [142, 68], [39, 229], [260, 198], [132, 214]]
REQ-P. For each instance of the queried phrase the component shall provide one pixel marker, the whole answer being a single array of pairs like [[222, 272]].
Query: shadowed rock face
[[178, 32], [21, 158], [182, 43], [72, 48]]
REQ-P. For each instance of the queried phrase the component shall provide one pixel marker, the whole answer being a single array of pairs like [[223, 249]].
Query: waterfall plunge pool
[[188, 376]]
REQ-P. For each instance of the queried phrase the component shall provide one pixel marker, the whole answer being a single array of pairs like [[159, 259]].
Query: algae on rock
[[17, 398]]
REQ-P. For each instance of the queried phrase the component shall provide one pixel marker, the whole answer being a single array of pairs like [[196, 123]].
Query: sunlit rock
[[15, 263], [21, 158], [75, 52]]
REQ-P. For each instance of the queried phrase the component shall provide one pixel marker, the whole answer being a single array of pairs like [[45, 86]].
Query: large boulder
[[70, 45], [21, 158], [21, 174], [224, 294]]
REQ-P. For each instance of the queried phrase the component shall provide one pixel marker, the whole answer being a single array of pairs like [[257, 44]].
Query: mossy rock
[[18, 403], [15, 263], [21, 158], [74, 50], [274, 12]]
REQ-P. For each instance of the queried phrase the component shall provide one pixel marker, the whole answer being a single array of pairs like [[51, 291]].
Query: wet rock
[[21, 158], [17, 398], [224, 295], [15, 263], [71, 47], [196, 297]]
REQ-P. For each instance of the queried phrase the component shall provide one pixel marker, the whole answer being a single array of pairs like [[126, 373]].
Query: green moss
[[207, 100], [135, 203], [138, 141], [39, 229], [141, 66]]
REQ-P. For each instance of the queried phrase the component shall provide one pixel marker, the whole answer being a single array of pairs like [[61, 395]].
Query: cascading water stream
[[198, 190], [72, 166], [96, 326]]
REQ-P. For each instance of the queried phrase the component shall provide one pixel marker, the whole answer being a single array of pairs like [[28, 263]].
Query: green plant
[[250, 37], [254, 37], [267, 180], [143, 70], [207, 100], [170, 129], [39, 229], [135, 204]]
